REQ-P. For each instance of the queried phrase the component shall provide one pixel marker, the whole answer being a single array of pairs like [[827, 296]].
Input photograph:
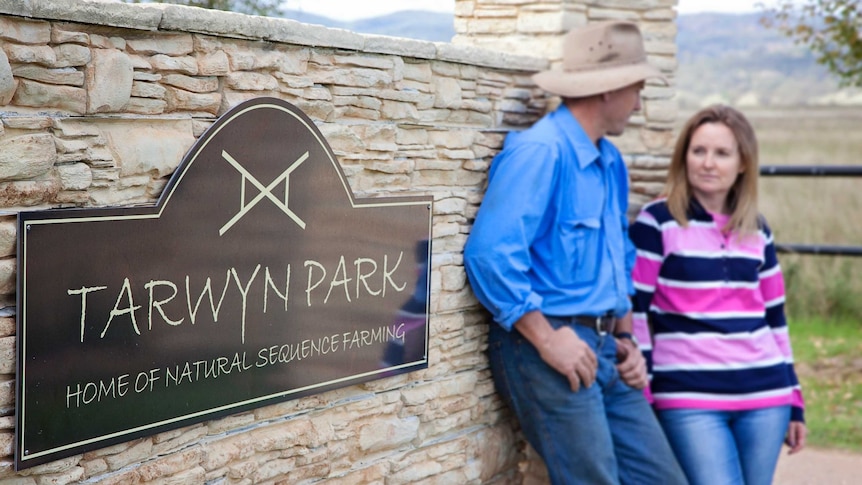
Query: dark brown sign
[[256, 278]]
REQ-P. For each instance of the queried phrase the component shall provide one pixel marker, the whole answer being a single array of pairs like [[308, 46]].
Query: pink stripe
[[640, 329], [796, 399], [696, 238], [673, 403], [783, 342], [646, 271], [685, 300], [772, 287], [710, 350]]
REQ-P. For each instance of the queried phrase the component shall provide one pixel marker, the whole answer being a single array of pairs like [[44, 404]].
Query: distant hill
[[722, 57], [732, 58], [412, 24]]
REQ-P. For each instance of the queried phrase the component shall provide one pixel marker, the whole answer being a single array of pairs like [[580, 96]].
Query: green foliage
[[829, 28], [827, 363], [267, 8]]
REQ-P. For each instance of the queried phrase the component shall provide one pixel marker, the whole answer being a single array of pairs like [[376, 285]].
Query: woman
[[709, 285]]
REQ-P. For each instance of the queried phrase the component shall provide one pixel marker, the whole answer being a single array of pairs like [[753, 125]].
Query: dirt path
[[819, 467]]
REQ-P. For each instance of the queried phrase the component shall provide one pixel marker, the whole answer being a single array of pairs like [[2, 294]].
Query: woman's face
[[713, 163]]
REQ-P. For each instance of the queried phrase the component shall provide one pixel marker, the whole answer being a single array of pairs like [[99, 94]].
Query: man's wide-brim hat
[[598, 58]]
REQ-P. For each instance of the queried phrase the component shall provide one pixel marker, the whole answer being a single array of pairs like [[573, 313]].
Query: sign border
[[23, 459]]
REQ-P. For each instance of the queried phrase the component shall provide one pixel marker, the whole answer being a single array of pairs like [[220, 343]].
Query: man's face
[[620, 106]]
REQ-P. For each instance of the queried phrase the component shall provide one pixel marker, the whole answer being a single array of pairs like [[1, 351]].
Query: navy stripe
[[669, 323], [743, 381], [696, 269]]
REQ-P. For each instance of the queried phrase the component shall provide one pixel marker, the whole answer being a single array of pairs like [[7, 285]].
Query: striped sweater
[[715, 303]]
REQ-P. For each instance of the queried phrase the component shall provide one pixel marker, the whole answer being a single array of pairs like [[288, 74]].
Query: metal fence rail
[[816, 171]]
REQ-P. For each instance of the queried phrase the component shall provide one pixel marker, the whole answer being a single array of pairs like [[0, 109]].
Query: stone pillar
[[536, 28]]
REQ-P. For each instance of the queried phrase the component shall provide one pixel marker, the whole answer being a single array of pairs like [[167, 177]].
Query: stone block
[[154, 149], [387, 433], [26, 54], [76, 176], [142, 89], [7, 80], [184, 65], [62, 36], [251, 81], [35, 94], [135, 452], [8, 239], [109, 81], [168, 44], [214, 64], [26, 156], [193, 84], [67, 77], [7, 354], [181, 100], [25, 31]]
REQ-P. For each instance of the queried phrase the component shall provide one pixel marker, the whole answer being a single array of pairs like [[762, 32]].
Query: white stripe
[[642, 253], [774, 302], [709, 315], [719, 365], [712, 335], [647, 219], [710, 224], [770, 272], [724, 397], [705, 285], [669, 224], [643, 287], [688, 253]]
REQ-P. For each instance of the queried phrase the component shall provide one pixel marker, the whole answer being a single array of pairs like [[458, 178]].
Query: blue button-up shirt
[[552, 233]]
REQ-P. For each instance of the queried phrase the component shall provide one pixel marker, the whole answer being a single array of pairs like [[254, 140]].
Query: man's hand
[[796, 434], [631, 364], [561, 349], [569, 355]]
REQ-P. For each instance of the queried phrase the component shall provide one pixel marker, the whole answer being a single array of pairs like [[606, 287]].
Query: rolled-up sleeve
[[497, 254]]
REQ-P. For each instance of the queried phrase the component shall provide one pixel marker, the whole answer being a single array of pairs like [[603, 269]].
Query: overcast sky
[[357, 9]]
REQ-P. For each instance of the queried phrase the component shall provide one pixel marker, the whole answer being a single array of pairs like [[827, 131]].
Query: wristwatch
[[627, 335]]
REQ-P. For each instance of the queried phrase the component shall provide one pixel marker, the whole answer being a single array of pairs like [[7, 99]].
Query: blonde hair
[[742, 198]]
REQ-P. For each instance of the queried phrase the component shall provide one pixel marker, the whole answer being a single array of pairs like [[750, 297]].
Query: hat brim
[[587, 83]]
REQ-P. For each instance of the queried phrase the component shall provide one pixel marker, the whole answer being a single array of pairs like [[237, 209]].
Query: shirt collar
[[696, 211], [585, 150]]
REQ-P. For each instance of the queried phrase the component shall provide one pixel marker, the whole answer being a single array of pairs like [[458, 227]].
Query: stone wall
[[528, 27], [98, 104]]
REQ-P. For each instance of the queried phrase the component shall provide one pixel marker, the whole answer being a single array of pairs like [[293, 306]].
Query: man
[[549, 257]]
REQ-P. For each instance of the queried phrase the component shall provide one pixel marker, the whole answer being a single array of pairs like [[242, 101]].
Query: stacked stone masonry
[[527, 27], [100, 101]]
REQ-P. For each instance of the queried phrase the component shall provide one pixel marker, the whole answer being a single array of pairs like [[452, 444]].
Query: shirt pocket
[[580, 240]]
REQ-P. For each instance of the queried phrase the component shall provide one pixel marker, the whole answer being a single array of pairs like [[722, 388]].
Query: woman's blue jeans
[[727, 447], [604, 434]]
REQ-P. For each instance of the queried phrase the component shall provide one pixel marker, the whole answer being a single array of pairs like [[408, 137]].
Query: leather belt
[[603, 324]]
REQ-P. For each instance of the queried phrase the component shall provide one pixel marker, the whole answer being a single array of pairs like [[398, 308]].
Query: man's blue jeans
[[604, 434], [727, 447]]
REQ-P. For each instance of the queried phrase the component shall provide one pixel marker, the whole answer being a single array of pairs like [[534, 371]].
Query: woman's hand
[[796, 434]]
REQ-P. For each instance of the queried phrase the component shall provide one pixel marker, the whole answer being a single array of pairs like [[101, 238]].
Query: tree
[[267, 8], [829, 28]]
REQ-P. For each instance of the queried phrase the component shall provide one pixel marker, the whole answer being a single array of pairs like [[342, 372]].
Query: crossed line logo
[[264, 191]]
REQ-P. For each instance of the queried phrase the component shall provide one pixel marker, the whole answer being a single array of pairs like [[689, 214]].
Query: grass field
[[824, 294], [815, 210]]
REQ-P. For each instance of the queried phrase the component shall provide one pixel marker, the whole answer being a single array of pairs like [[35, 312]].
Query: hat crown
[[603, 45], [598, 58]]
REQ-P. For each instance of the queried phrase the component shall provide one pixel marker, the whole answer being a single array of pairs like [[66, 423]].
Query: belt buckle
[[600, 329]]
